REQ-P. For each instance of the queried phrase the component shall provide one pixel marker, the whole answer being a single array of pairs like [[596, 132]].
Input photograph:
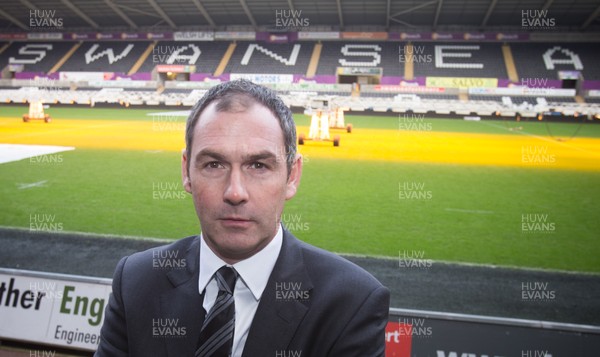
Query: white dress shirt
[[253, 275]]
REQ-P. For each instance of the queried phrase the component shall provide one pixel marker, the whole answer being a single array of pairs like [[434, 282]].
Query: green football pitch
[[522, 216]]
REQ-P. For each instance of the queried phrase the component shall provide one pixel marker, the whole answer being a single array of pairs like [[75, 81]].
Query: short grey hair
[[245, 93]]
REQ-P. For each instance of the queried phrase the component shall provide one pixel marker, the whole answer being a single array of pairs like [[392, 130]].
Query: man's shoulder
[[162, 257], [325, 266]]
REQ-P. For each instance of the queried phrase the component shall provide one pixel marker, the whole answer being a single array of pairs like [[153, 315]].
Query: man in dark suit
[[245, 286]]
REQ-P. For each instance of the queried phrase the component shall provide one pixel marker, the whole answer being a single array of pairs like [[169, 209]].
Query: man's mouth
[[235, 222]]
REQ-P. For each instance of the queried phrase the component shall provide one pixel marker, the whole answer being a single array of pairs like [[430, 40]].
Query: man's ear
[[185, 173], [294, 178]]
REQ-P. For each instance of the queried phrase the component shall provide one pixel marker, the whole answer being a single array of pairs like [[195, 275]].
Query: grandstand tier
[[540, 61]]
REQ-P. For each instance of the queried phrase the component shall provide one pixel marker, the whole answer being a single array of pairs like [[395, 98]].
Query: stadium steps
[[314, 60], [6, 73], [511, 69], [6, 45], [409, 66], [225, 60], [136, 66], [65, 58], [579, 99]]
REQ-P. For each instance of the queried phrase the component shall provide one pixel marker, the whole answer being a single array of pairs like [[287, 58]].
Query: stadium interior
[[529, 75], [513, 61]]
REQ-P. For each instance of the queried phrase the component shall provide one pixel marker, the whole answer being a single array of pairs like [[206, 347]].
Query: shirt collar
[[254, 271]]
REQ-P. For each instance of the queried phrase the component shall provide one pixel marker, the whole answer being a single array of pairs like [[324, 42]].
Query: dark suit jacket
[[315, 304]]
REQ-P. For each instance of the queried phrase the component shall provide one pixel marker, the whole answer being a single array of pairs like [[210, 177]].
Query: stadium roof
[[315, 15]]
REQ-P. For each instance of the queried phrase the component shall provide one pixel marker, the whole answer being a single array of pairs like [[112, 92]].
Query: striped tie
[[216, 336]]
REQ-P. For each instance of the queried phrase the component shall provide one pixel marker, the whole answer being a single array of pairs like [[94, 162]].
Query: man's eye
[[213, 165], [258, 166]]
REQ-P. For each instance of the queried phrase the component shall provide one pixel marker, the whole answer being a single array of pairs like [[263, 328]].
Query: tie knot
[[226, 278]]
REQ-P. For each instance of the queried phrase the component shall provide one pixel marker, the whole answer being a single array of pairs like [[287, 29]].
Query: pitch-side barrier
[[67, 311]]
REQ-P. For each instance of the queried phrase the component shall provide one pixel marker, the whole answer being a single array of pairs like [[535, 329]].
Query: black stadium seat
[[206, 56], [530, 63], [483, 60], [105, 56], [35, 56], [260, 57]]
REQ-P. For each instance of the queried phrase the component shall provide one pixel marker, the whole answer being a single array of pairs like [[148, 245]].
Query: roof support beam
[[388, 8], [29, 5], [409, 10], [145, 13], [80, 14], [121, 14], [425, 4], [204, 13], [437, 13], [488, 13], [12, 19], [590, 19], [248, 13], [547, 5], [162, 14], [402, 22], [341, 17]]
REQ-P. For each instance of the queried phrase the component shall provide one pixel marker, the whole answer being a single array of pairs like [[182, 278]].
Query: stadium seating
[[35, 56], [483, 60], [204, 55], [360, 54], [104, 56], [530, 62], [257, 57], [270, 58]]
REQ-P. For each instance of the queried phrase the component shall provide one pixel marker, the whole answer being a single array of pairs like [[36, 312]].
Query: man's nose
[[235, 192]]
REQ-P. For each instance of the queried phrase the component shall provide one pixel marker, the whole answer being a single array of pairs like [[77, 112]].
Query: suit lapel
[[183, 303], [283, 304]]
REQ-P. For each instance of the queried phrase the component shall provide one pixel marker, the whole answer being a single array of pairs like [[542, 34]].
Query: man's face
[[238, 178]]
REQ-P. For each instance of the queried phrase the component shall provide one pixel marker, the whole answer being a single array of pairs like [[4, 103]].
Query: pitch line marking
[[477, 211], [541, 138], [24, 186], [179, 113]]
